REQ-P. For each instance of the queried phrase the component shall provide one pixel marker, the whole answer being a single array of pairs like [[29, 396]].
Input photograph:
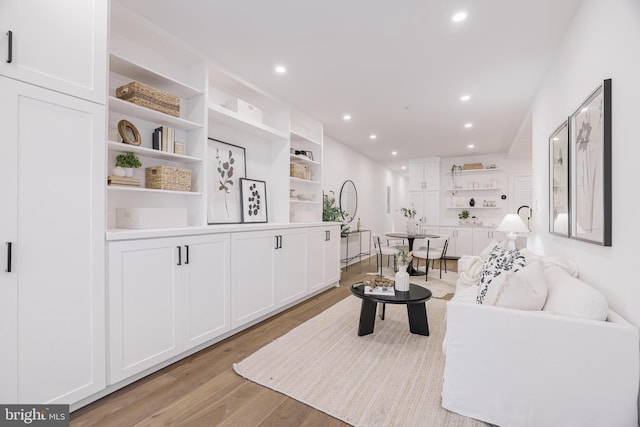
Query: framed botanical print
[[226, 165], [254, 200], [559, 181], [590, 154]]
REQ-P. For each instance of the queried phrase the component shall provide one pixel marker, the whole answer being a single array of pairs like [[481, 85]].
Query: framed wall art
[[559, 181], [254, 200], [590, 179], [226, 165]]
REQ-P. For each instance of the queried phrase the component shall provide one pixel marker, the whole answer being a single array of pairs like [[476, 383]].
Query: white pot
[[118, 171], [129, 172], [402, 279]]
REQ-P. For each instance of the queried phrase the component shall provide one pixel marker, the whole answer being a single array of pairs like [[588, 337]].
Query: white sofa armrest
[[523, 368]]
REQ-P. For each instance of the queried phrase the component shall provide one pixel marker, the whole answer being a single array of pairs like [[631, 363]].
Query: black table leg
[[418, 323], [367, 317]]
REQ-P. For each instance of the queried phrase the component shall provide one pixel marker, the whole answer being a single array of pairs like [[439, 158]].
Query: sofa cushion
[[570, 296], [499, 262], [524, 289]]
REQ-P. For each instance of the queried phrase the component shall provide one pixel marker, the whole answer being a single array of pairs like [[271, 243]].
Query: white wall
[[340, 163], [602, 42]]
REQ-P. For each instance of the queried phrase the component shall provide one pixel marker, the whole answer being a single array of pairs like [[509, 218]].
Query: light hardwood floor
[[203, 389]]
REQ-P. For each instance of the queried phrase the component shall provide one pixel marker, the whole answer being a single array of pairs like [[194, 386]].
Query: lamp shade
[[512, 223]]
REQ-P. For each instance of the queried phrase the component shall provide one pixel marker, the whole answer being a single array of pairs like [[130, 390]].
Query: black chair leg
[[426, 270]]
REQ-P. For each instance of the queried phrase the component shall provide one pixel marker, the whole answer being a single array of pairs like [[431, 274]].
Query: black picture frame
[[559, 181], [254, 200], [590, 179], [223, 189]]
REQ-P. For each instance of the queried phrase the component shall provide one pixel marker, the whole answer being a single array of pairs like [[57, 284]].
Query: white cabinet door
[[52, 301], [145, 311], [332, 256], [464, 241], [252, 275], [205, 288], [432, 175], [61, 45], [451, 232], [291, 265], [481, 239], [427, 205], [416, 177], [315, 257]]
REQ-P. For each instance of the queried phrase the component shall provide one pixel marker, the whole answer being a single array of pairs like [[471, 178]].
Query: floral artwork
[[591, 168], [225, 167], [254, 200]]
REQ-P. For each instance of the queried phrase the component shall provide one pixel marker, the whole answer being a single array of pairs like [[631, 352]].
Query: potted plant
[[410, 214], [331, 212], [127, 162], [463, 216]]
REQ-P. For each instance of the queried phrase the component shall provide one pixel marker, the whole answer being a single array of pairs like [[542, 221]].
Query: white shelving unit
[[306, 135]]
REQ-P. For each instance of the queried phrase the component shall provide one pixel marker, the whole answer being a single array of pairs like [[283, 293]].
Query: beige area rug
[[438, 287], [388, 378]]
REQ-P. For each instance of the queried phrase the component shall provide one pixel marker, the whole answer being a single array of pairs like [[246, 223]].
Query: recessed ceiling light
[[470, 146], [394, 153], [465, 98], [404, 167], [468, 125], [347, 117], [280, 69], [373, 136], [459, 17]]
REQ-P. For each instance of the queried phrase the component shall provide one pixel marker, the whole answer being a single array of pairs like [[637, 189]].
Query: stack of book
[[164, 139], [123, 181]]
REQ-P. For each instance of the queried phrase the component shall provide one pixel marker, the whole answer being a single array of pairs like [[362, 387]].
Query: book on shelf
[[164, 138], [123, 181]]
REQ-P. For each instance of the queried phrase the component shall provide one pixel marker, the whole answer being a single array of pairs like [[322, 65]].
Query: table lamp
[[512, 224]]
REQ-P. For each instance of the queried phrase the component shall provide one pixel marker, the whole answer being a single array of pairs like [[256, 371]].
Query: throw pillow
[[524, 289], [490, 247], [569, 296], [499, 262]]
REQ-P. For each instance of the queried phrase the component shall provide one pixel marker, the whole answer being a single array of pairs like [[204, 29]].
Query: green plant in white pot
[[127, 162]]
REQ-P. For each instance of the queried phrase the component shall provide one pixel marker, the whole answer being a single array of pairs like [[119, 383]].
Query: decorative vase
[[402, 279], [411, 226], [472, 202], [118, 171]]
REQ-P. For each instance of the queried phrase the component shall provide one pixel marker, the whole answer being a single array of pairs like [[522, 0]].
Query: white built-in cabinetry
[[52, 304], [483, 236], [324, 256], [165, 297], [306, 150], [484, 186], [424, 186], [460, 240], [57, 45]]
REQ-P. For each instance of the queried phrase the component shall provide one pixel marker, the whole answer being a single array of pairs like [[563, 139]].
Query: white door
[[145, 311], [205, 288], [61, 45], [52, 302], [291, 265], [252, 275], [332, 256], [315, 257]]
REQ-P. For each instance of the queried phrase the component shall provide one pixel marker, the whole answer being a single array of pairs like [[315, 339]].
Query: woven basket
[[148, 97], [167, 178], [471, 166], [298, 171]]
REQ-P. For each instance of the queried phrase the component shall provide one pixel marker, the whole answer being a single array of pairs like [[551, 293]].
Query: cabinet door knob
[[10, 50], [8, 269], [186, 249], [179, 255], [277, 242]]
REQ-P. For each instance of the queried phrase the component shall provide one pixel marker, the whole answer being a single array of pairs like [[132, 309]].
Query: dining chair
[[436, 249], [389, 251]]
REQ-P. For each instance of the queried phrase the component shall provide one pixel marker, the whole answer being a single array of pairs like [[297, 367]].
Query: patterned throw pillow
[[499, 262]]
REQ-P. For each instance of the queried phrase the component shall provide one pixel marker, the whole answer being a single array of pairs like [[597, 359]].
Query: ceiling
[[397, 67]]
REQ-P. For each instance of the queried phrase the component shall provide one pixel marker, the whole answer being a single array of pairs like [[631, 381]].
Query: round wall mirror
[[348, 200]]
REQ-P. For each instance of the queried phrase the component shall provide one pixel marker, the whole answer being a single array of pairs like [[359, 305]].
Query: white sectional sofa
[[549, 367]]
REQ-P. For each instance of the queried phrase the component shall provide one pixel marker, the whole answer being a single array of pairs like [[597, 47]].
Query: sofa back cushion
[[570, 296]]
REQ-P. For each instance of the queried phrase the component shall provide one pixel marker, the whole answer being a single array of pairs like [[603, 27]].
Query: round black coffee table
[[414, 299]]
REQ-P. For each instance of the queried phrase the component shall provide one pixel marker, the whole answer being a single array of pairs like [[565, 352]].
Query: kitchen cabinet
[[60, 45], [165, 296], [483, 236], [427, 206], [424, 175], [460, 240], [52, 302], [323, 257]]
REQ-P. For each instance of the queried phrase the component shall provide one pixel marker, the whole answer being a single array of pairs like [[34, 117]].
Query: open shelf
[[132, 110], [474, 207], [148, 152], [304, 181], [113, 188], [302, 159], [218, 113], [311, 202], [473, 189], [298, 137]]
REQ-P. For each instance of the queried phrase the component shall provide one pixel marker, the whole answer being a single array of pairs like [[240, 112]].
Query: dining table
[[410, 238]]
